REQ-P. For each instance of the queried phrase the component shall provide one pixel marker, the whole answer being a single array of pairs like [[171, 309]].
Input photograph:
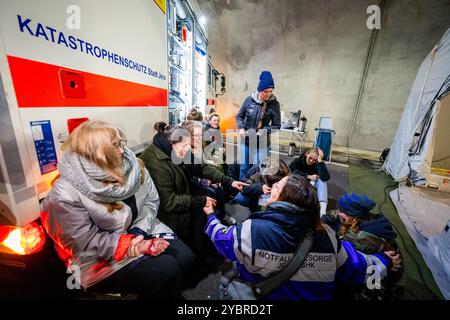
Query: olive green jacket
[[176, 200]]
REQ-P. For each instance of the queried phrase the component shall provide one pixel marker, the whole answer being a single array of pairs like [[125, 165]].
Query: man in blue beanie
[[260, 112]]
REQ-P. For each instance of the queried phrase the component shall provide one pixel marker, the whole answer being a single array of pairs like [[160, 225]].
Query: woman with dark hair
[[160, 126], [181, 208], [213, 124], [195, 115], [213, 146], [264, 243], [162, 159]]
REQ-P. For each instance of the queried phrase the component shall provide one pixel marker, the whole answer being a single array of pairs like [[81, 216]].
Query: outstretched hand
[[239, 185]]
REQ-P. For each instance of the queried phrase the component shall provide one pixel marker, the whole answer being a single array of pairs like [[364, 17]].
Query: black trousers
[[201, 245], [219, 195], [153, 278]]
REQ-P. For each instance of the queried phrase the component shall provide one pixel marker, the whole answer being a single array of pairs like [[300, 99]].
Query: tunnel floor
[[360, 176]]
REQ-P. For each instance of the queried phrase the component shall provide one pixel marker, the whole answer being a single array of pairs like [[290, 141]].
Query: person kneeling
[[264, 243], [370, 233]]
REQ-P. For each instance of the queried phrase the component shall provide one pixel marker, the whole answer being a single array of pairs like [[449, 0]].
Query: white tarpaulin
[[410, 151], [426, 216], [421, 149]]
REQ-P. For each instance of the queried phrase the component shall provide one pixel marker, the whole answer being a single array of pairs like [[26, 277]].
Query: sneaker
[[229, 220]]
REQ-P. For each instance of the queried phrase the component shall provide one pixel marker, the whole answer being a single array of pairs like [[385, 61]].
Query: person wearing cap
[[370, 233], [354, 222], [259, 112], [261, 179]]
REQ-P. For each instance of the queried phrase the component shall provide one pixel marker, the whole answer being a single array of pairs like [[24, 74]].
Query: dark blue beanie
[[355, 205], [265, 81]]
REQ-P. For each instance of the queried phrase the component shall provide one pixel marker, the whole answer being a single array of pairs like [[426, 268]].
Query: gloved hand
[[205, 182], [154, 246]]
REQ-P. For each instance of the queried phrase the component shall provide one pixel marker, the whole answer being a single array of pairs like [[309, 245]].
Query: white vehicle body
[[61, 60]]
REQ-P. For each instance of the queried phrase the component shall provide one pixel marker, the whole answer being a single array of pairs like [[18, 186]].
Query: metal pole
[[372, 41]]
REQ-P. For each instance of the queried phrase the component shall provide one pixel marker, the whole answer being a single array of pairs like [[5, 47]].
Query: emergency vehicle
[[65, 61]]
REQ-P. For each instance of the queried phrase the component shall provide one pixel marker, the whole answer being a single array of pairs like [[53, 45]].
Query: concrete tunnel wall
[[317, 50]]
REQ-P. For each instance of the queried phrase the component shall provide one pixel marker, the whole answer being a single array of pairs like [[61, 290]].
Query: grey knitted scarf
[[89, 179]]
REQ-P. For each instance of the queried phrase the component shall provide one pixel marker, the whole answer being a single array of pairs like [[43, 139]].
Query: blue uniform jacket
[[266, 242]]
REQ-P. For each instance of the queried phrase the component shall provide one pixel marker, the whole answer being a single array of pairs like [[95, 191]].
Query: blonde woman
[[311, 166], [101, 214]]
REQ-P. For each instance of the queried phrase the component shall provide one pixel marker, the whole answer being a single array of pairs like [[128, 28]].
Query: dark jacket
[[213, 148], [211, 135], [197, 171], [375, 235], [251, 111], [176, 200], [300, 166]]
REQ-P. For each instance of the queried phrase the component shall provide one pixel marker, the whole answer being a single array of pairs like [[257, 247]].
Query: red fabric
[[64, 253], [122, 246]]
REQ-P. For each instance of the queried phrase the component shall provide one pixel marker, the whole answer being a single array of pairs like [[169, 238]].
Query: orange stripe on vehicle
[[39, 84]]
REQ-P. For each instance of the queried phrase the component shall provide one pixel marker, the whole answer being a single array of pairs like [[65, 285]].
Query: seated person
[[180, 208], [214, 151], [260, 181], [213, 124], [200, 174], [195, 115], [354, 222], [311, 166], [261, 242], [159, 127], [370, 233], [101, 214]]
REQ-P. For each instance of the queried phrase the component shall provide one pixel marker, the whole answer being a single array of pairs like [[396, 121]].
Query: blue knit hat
[[265, 81], [355, 205]]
